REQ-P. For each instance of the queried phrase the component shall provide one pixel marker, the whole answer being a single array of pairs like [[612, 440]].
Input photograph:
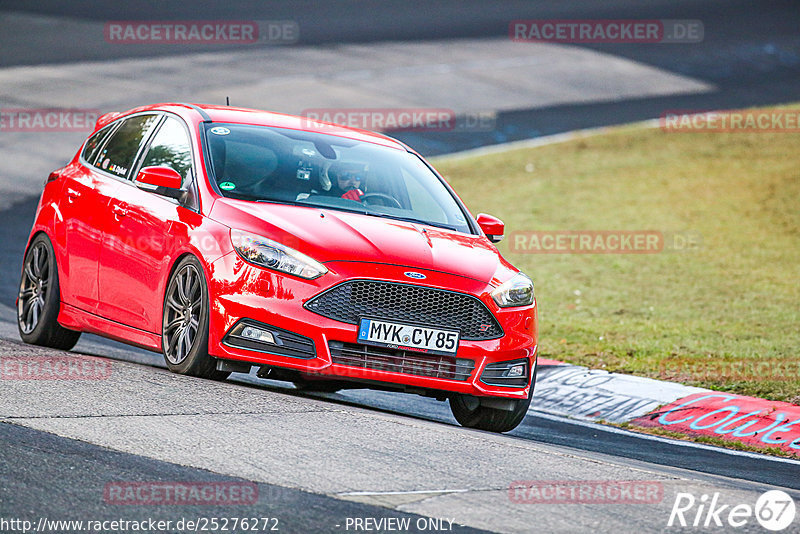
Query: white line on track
[[415, 492]]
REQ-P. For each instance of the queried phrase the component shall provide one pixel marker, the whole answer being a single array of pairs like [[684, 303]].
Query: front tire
[[469, 413], [184, 339], [39, 299]]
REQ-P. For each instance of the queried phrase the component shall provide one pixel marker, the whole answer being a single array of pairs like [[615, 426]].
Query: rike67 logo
[[774, 511]]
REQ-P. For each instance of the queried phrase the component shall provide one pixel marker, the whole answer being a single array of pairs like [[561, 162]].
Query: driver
[[347, 181]]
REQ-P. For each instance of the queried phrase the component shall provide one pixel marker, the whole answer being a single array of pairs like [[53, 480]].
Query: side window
[[119, 152], [94, 143], [170, 148]]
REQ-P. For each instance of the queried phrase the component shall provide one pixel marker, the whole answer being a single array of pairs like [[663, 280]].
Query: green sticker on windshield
[[227, 186]]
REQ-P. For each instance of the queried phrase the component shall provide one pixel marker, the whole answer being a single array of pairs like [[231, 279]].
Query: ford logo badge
[[415, 276]]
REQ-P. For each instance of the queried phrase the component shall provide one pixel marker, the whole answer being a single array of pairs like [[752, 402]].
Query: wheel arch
[[34, 234], [172, 268]]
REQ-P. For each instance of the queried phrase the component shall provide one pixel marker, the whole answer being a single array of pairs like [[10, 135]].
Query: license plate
[[408, 337]]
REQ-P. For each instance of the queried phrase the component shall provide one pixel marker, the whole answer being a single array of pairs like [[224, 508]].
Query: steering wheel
[[391, 200]]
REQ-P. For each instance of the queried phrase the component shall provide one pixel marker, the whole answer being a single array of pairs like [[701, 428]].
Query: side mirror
[[160, 180], [492, 227]]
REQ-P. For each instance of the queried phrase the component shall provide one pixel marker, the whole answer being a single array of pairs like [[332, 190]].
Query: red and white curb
[[593, 394], [596, 395], [750, 420]]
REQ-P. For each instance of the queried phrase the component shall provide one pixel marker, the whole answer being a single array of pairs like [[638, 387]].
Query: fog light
[[514, 373], [249, 334], [256, 334], [517, 370]]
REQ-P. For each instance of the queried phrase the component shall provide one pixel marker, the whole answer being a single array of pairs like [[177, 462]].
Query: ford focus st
[[330, 257]]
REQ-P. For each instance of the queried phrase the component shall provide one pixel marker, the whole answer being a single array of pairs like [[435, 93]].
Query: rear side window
[[119, 152], [170, 148], [94, 143]]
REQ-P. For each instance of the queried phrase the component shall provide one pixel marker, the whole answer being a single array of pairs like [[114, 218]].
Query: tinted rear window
[[94, 143], [119, 152]]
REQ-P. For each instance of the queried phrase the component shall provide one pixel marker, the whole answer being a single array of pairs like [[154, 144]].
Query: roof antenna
[[228, 101]]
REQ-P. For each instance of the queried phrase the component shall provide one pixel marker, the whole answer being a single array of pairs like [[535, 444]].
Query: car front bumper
[[242, 292]]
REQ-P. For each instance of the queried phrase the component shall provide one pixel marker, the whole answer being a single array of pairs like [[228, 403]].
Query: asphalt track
[[65, 443], [750, 51]]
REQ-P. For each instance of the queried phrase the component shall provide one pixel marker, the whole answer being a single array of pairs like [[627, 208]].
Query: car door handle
[[119, 212]]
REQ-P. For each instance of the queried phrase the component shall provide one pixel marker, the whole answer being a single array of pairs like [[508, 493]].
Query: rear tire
[[184, 333], [39, 299], [469, 413]]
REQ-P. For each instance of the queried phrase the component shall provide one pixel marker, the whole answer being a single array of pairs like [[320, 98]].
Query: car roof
[[232, 115]]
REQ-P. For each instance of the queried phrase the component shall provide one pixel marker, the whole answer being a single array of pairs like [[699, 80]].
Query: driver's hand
[[354, 194]]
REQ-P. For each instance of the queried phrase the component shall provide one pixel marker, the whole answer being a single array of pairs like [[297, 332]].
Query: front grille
[[350, 301], [400, 361]]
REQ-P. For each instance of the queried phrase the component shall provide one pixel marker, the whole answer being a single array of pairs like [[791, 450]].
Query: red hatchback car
[[327, 256]]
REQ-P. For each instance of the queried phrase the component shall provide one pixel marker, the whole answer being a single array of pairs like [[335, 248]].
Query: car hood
[[330, 235]]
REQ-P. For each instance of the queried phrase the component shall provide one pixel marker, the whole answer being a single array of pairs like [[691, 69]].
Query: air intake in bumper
[[400, 361], [253, 335], [514, 373]]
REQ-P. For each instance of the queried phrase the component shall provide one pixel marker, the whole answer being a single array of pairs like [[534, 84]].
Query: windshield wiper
[[411, 219], [362, 212], [272, 201]]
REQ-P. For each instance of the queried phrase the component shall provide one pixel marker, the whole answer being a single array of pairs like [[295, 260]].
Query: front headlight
[[273, 255], [516, 292]]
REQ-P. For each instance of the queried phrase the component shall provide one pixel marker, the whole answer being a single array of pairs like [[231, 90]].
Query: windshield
[[260, 163]]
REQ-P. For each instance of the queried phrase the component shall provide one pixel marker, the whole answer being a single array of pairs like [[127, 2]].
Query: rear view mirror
[[161, 180], [492, 227]]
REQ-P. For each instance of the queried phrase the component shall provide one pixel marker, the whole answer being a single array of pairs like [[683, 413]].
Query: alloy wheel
[[33, 288], [184, 308]]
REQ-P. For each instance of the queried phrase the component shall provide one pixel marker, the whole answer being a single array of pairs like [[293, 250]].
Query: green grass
[[734, 300], [708, 440]]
